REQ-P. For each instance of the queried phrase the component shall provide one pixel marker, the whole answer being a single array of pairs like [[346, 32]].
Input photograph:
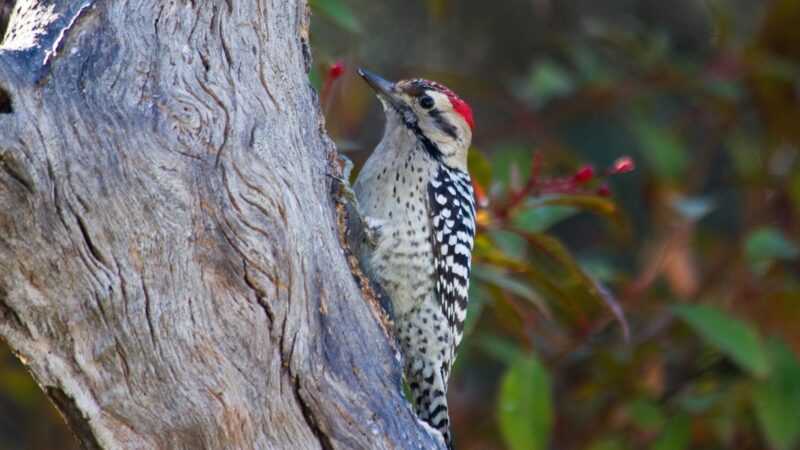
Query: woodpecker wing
[[452, 212]]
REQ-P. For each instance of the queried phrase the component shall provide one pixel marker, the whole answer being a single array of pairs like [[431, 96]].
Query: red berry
[[584, 174], [604, 190], [337, 69], [623, 164]]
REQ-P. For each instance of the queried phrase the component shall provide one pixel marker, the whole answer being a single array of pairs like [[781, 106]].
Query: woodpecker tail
[[429, 392]]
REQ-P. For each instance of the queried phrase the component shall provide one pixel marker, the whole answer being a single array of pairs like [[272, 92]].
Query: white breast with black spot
[[402, 261]]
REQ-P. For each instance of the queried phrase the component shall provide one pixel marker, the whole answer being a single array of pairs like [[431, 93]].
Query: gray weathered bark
[[171, 266]]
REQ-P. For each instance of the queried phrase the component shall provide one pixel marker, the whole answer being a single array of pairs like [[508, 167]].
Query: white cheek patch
[[438, 122], [441, 100], [446, 113]]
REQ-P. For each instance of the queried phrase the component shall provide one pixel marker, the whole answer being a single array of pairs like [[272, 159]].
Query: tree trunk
[[172, 266]]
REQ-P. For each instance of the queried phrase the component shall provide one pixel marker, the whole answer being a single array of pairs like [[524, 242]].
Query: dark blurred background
[[698, 246]]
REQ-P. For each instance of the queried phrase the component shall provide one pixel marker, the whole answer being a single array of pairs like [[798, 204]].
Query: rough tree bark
[[171, 264]]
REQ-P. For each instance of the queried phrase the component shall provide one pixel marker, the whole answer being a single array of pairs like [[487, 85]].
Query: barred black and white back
[[452, 209]]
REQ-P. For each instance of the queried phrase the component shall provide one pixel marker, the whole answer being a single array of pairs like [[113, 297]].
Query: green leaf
[[510, 164], [556, 251], [338, 13], [480, 169], [765, 245], [497, 347], [508, 158], [525, 409], [599, 267], [494, 277], [676, 434], [777, 399], [542, 217], [646, 414], [543, 283], [728, 335], [510, 243], [602, 206]]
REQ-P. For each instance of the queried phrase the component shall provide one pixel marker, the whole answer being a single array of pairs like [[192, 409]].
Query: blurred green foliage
[[525, 412], [699, 246], [730, 336]]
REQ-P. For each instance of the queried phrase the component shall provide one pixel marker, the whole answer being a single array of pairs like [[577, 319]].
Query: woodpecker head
[[430, 113]]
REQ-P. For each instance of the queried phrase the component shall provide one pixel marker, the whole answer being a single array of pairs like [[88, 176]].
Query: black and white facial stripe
[[452, 207], [423, 93], [442, 123], [411, 122]]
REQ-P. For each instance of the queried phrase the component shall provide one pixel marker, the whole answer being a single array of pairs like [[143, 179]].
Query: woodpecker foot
[[346, 196], [348, 166], [372, 228]]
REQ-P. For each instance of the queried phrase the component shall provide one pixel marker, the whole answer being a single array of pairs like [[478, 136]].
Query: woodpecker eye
[[426, 102]]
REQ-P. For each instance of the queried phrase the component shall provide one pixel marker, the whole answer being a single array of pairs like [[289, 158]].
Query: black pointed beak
[[383, 88]]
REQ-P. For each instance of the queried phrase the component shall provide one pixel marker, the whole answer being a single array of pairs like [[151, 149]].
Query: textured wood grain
[[170, 264]]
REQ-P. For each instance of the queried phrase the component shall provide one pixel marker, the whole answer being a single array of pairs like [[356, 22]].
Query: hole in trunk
[[5, 102]]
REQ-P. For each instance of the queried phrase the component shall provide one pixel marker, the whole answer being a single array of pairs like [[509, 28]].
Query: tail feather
[[429, 392]]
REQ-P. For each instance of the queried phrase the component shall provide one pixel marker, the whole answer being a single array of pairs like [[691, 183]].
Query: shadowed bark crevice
[[5, 102], [15, 170], [66, 405], [8, 314], [308, 414]]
